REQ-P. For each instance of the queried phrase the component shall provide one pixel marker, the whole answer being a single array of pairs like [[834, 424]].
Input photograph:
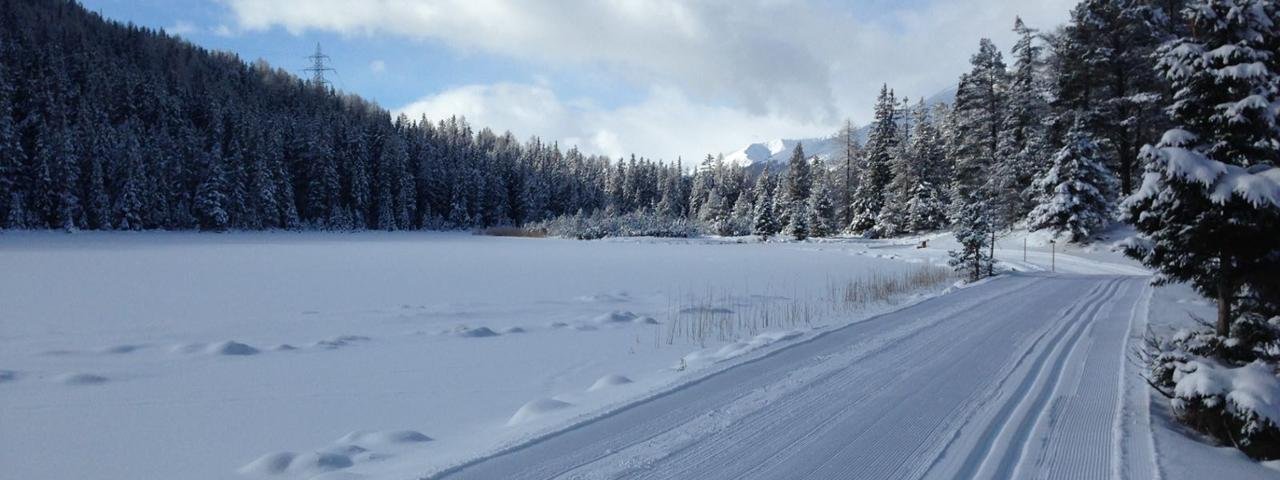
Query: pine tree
[[972, 231], [1204, 212], [1074, 195], [764, 223], [868, 199]]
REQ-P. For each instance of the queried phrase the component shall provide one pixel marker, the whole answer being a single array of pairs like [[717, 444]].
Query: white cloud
[[378, 66], [813, 62], [222, 30], [664, 125], [181, 28]]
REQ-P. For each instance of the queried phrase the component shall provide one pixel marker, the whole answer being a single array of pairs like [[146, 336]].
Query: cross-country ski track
[[1023, 376]]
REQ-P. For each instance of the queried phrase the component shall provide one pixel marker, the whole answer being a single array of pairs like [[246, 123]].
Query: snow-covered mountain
[[778, 151]]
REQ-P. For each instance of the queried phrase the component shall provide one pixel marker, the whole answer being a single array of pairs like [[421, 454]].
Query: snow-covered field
[[292, 356], [280, 355]]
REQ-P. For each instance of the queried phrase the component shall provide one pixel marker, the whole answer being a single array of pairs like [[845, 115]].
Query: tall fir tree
[[978, 120], [868, 199], [1022, 151], [1208, 210]]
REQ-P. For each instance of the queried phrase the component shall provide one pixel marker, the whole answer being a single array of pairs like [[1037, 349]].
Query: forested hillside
[[111, 126]]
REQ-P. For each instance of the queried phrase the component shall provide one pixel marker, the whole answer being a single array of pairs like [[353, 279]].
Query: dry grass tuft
[[513, 232], [722, 316]]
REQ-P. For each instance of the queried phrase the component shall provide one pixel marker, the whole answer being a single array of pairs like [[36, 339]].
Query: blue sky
[[660, 78]]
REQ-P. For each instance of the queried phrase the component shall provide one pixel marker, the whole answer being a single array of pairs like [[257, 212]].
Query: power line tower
[[318, 67]]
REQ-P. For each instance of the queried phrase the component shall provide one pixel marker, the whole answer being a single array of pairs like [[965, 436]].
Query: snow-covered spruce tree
[[1022, 151], [821, 210], [868, 199], [926, 200], [1208, 211], [972, 232], [976, 124], [798, 228], [1074, 195], [764, 222], [793, 189]]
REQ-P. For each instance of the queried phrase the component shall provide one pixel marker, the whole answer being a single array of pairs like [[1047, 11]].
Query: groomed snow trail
[[1020, 377]]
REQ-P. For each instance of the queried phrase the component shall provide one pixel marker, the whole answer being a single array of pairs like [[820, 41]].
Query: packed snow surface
[[319, 356]]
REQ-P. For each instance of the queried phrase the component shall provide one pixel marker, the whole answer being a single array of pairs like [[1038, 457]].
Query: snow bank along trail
[[1020, 377]]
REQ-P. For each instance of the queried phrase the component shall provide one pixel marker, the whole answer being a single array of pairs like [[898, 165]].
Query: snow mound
[[289, 462], [741, 348], [319, 462], [8, 376], [513, 330], [269, 464], [648, 320], [557, 325], [383, 437], [536, 409], [341, 341], [80, 379], [477, 332], [230, 347], [607, 381], [585, 328], [284, 347], [616, 316]]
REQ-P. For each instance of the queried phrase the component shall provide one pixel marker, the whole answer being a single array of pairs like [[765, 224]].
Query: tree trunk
[[991, 258], [1224, 306]]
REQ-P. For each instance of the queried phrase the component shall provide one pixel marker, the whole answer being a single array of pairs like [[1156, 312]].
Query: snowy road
[[1020, 377]]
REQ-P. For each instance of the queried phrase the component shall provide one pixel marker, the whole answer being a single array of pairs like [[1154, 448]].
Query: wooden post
[[1053, 255]]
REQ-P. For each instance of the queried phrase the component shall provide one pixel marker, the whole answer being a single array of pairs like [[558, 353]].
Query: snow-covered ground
[[289, 356], [281, 355]]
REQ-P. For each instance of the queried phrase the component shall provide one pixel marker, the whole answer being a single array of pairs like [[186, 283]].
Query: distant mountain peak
[[778, 151]]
